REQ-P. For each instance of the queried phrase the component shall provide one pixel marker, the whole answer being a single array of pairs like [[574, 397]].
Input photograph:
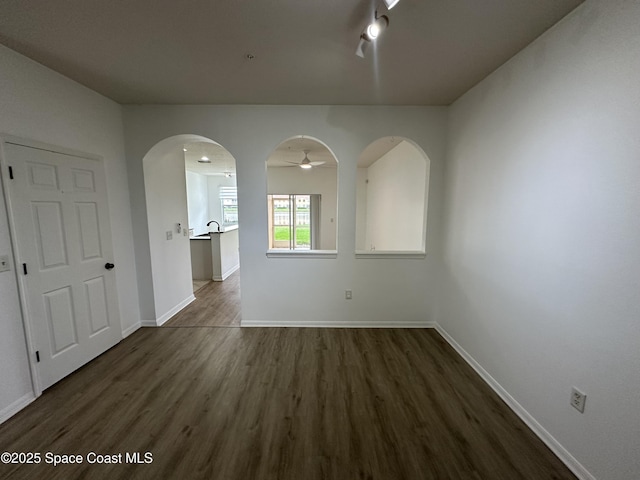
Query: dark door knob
[[109, 266]]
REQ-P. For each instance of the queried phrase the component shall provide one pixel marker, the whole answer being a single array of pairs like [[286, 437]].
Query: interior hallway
[[217, 304]]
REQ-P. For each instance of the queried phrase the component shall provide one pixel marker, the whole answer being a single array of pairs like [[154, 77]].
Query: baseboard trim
[[128, 331], [9, 411], [335, 324], [562, 453], [165, 317], [226, 274]]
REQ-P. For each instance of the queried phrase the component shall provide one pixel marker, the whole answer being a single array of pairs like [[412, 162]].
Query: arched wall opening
[[392, 197], [302, 196], [165, 181]]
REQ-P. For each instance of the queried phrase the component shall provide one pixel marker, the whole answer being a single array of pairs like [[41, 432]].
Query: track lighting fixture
[[390, 3], [375, 28], [371, 33]]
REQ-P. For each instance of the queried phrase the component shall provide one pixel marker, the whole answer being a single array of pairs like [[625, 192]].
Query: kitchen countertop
[[207, 236]]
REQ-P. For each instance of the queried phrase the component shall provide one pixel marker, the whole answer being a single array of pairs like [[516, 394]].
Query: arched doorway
[[171, 225]]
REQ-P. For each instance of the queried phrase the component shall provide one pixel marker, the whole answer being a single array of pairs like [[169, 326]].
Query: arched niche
[[392, 198], [302, 197], [166, 170]]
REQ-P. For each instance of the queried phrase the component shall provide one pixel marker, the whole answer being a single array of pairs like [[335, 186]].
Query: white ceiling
[[291, 152], [194, 52], [221, 161]]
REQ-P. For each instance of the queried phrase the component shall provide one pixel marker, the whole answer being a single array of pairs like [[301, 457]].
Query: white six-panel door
[[59, 209]]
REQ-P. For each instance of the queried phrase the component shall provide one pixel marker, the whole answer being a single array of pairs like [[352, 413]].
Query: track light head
[[375, 28], [390, 3], [363, 45], [371, 33]]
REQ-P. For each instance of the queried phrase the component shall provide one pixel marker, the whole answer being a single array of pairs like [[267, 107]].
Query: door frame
[[27, 322]]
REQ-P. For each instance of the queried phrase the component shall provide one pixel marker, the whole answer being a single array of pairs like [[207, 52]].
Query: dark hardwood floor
[[217, 304], [303, 404]]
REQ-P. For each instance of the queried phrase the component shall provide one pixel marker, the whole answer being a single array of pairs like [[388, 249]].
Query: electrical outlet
[[348, 294], [4, 263], [169, 234], [578, 399]]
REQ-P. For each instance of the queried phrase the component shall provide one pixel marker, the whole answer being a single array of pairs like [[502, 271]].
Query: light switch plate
[[4, 263], [169, 234]]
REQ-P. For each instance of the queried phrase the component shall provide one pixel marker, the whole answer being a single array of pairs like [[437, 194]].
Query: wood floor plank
[[217, 304], [310, 404]]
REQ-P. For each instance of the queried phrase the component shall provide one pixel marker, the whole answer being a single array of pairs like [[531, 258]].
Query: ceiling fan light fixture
[[306, 163], [204, 159]]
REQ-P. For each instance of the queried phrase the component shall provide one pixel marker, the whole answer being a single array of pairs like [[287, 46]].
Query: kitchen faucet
[[213, 221]]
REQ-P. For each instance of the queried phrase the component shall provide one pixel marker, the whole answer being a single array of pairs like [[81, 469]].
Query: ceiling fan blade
[[315, 164]]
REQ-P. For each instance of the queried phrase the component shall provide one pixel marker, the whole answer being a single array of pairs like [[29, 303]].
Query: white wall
[[166, 201], [197, 202], [320, 181], [395, 200], [542, 258], [41, 105], [385, 291], [361, 208]]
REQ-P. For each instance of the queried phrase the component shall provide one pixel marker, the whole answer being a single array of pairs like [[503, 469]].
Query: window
[[293, 221], [229, 204]]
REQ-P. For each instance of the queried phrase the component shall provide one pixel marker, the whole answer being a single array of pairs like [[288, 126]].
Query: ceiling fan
[[306, 163]]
